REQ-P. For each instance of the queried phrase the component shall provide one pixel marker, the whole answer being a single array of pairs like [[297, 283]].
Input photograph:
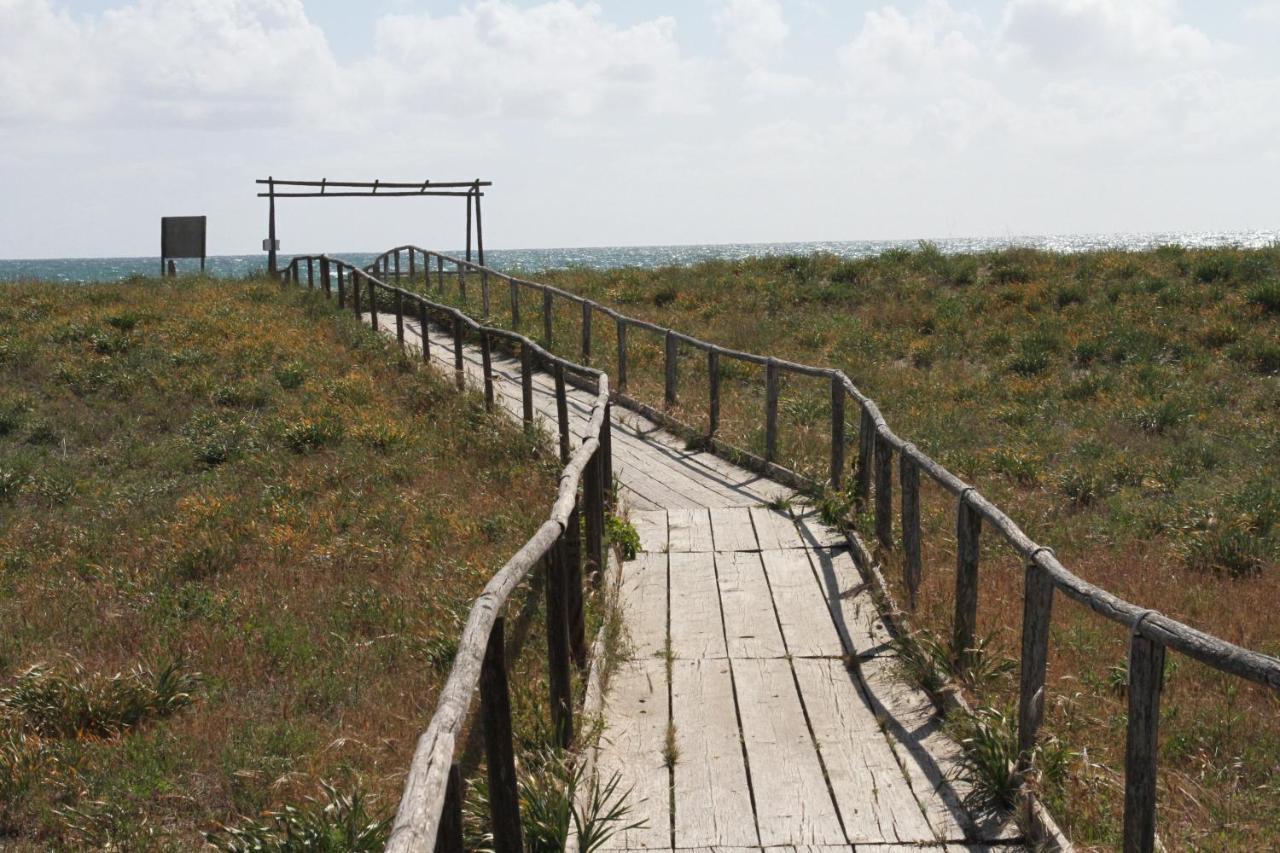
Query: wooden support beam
[[866, 447], [573, 578], [558, 644], [884, 493], [449, 833], [1037, 611], [548, 318], [772, 389], [423, 324], [586, 332], [373, 305], [713, 393], [562, 414], [458, 374], [515, 303], [909, 482], [1146, 680], [486, 364], [325, 280], [837, 433], [495, 715], [672, 353], [968, 531], [593, 510], [526, 384], [400, 315], [622, 355]]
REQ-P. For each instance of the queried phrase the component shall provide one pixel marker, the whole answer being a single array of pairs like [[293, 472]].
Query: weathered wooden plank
[[875, 799], [731, 529], [696, 627], [712, 798], [801, 606], [636, 717], [793, 805], [775, 529], [817, 534], [856, 616], [689, 530], [643, 599], [750, 626], [651, 527]]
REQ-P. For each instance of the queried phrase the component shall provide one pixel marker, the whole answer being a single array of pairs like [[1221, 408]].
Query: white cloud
[[754, 30], [936, 39], [1265, 12], [559, 58], [1061, 34]]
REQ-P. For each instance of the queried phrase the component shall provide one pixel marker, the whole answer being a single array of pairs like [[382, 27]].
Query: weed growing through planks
[[622, 533]]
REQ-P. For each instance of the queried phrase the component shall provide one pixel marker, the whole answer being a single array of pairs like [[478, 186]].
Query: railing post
[[440, 273], [400, 315], [837, 433], [484, 297], [495, 711], [622, 355], [606, 450], [884, 493], [515, 302], [558, 644], [486, 363], [562, 413], [593, 497], [713, 392], [526, 384], [547, 318], [1037, 610], [325, 280], [573, 577], [311, 274], [449, 830], [1146, 679], [462, 283], [671, 376], [411, 269], [771, 391], [373, 305], [342, 288], [458, 374], [909, 480], [586, 332], [866, 447], [968, 529], [423, 324], [397, 266], [355, 292]]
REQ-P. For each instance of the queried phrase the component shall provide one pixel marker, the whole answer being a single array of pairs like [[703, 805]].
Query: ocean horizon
[[86, 270]]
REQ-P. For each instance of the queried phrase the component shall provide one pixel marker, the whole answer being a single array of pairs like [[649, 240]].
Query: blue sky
[[636, 122]]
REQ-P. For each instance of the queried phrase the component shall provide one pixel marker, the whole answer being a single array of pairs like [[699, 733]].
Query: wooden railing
[[1151, 633], [430, 812]]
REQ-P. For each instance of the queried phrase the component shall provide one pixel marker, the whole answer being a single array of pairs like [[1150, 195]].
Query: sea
[[525, 261]]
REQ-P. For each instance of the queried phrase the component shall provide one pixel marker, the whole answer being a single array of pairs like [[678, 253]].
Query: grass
[[238, 537], [1124, 407]]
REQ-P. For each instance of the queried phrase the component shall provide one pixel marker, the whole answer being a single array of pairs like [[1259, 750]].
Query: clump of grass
[[989, 752], [335, 822], [308, 434], [291, 375], [77, 704], [623, 534], [1266, 295]]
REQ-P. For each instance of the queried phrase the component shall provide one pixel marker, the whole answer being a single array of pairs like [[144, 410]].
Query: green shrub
[[307, 434], [291, 375], [1216, 266], [335, 823], [989, 754], [846, 272], [624, 535], [1266, 295]]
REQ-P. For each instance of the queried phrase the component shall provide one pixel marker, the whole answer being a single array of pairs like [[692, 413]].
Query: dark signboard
[[182, 237]]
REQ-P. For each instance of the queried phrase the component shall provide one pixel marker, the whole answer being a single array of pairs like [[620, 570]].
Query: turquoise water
[[610, 257]]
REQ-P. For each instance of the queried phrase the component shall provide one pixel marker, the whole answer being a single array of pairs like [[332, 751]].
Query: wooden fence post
[[713, 392], [397, 267], [547, 318], [606, 451], [325, 280], [373, 305], [622, 355], [355, 292], [400, 315], [1146, 679], [866, 447], [423, 324], [671, 376], [440, 273], [412, 272], [573, 577], [495, 712], [484, 297], [449, 830], [593, 498], [462, 283], [311, 274], [884, 493], [526, 383], [968, 529], [1037, 610], [558, 644], [515, 303], [458, 374], [909, 481], [837, 433], [562, 413], [586, 332], [486, 364], [771, 392]]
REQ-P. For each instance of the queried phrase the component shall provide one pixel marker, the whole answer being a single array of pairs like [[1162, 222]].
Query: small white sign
[[267, 247]]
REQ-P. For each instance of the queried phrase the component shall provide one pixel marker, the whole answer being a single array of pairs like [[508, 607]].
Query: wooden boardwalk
[[759, 706]]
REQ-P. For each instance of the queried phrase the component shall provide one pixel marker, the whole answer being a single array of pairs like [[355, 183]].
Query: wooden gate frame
[[357, 189]]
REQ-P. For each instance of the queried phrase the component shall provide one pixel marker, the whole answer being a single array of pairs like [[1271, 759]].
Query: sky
[[621, 122]]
